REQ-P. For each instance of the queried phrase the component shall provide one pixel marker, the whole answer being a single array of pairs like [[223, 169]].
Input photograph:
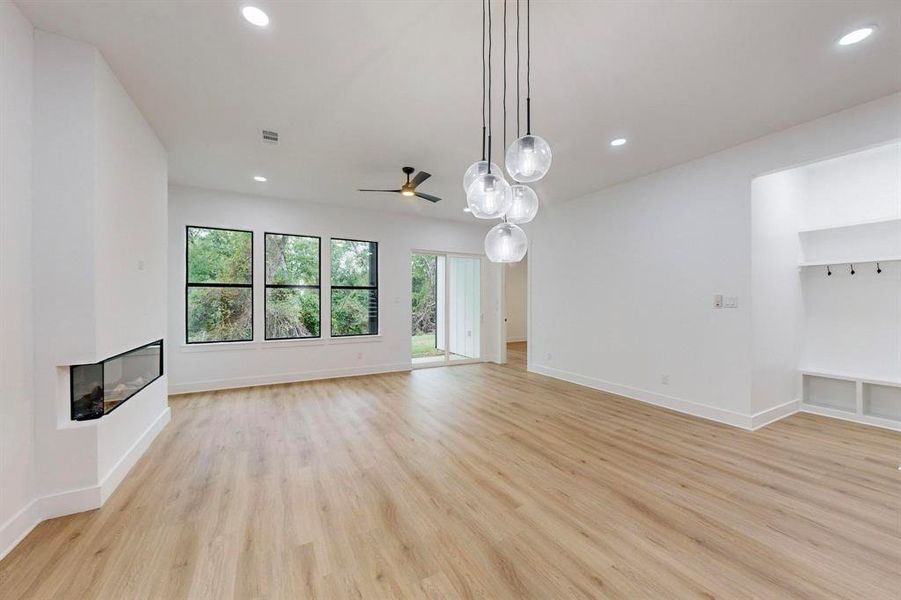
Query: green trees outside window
[[292, 286], [425, 306], [219, 286], [354, 289]]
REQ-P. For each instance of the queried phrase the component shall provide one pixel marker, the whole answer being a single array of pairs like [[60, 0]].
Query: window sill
[[356, 339], [276, 344], [217, 346]]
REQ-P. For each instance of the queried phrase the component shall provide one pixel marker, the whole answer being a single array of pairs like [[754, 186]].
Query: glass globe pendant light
[[489, 196], [480, 167], [529, 158], [506, 243], [523, 205]]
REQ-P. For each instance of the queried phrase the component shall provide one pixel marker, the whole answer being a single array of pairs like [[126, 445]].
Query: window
[[292, 287], [219, 286], [355, 288]]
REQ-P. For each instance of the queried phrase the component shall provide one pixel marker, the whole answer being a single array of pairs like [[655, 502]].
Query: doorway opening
[[446, 309], [516, 322]]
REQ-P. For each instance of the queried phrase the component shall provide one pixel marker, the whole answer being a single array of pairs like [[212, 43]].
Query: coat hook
[[878, 269], [828, 271], [852, 270]]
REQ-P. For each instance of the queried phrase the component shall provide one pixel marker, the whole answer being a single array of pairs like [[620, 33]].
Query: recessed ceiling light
[[618, 142], [255, 16], [259, 178], [858, 35]]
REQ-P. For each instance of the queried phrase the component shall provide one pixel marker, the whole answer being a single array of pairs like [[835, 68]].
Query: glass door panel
[[427, 334], [463, 308]]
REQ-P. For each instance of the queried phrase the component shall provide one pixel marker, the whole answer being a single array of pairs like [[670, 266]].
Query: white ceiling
[[358, 89]]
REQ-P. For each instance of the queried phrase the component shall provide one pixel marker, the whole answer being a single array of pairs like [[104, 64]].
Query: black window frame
[[373, 288], [189, 285], [267, 286]]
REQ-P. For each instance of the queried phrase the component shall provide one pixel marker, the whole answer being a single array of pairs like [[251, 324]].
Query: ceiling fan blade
[[420, 177], [428, 197], [395, 191]]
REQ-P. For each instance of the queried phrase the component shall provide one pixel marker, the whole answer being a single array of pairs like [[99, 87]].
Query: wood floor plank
[[477, 481]]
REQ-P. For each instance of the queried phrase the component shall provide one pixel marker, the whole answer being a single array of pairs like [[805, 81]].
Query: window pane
[[220, 314], [354, 263], [292, 313], [219, 256], [355, 312], [292, 260]]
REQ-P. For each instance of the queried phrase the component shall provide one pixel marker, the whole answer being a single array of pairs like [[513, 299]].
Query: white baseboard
[[17, 527], [704, 411], [771, 415], [251, 381], [115, 476], [852, 417], [75, 501]]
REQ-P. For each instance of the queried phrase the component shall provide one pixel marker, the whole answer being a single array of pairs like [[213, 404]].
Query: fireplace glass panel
[[99, 388]]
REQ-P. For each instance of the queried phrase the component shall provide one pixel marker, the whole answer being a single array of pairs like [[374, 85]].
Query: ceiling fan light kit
[[528, 159]]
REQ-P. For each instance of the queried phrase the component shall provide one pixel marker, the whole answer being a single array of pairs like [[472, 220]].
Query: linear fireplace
[[99, 388]]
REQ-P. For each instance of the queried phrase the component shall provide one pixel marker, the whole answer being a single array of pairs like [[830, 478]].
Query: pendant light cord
[[517, 70], [504, 122], [483, 80], [489, 86], [528, 69]]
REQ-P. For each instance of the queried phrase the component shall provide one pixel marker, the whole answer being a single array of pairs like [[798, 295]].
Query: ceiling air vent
[[270, 137]]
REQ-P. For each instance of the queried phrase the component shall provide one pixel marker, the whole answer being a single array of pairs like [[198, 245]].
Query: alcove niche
[[826, 287]]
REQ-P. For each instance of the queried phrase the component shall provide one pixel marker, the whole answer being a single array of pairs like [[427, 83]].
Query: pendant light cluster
[[488, 194]]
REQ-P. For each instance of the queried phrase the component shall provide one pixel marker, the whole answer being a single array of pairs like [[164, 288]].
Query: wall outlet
[[718, 301], [548, 356], [730, 302], [664, 379], [359, 355]]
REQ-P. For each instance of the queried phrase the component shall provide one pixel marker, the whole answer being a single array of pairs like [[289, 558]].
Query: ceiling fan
[[409, 188]]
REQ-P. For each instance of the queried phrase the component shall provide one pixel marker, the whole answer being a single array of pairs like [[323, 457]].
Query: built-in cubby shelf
[[870, 400]]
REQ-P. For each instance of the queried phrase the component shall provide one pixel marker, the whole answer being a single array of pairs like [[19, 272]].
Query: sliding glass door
[[446, 309]]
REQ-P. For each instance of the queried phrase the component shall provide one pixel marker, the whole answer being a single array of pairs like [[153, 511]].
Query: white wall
[[16, 319], [100, 203], [623, 280], [515, 294], [130, 236], [215, 366], [777, 315]]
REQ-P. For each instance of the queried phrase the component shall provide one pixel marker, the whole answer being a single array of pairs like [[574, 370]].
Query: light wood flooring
[[478, 481]]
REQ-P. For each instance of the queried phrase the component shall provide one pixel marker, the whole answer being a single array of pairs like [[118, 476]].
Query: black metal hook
[[852, 270], [878, 269], [828, 271]]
